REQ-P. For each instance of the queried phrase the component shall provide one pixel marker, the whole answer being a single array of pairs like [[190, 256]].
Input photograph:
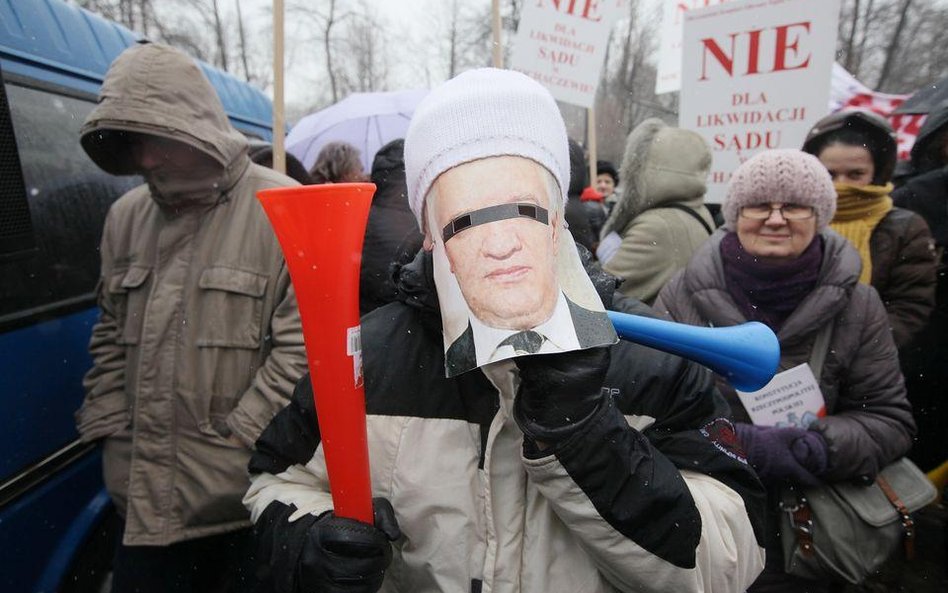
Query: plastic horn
[[321, 228], [746, 355]]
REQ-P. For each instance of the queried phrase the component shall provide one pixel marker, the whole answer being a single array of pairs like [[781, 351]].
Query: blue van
[[55, 515]]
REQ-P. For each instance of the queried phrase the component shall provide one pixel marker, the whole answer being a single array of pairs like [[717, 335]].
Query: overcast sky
[[408, 29]]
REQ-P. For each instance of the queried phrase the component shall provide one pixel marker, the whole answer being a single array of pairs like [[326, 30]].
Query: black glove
[[558, 392], [347, 556]]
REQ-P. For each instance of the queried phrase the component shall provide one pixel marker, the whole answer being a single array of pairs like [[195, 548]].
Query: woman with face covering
[[896, 248], [777, 262]]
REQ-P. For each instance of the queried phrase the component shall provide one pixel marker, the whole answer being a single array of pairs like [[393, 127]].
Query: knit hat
[[782, 175], [478, 114]]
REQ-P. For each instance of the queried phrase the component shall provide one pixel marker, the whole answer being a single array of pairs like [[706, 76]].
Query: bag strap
[[798, 511], [691, 212], [908, 524], [820, 348], [794, 502]]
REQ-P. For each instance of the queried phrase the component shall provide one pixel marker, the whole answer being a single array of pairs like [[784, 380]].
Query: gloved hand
[[784, 453], [559, 391], [347, 556]]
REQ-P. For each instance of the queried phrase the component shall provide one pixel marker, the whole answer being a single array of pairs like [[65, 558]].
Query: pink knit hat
[[784, 175]]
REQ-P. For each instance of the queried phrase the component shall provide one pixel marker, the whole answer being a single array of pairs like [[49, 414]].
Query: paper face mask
[[509, 279]]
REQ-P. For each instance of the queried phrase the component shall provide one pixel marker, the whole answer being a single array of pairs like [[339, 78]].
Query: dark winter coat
[[391, 234], [869, 420], [925, 364], [575, 213], [649, 497], [903, 272]]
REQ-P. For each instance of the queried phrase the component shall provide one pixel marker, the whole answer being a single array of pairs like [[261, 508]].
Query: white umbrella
[[368, 121]]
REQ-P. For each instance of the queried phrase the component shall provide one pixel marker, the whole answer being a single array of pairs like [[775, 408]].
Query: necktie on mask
[[527, 342]]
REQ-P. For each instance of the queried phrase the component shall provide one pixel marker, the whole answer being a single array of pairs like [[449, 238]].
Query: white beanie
[[478, 114]]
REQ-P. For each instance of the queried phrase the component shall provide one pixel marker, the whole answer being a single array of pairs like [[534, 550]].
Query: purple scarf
[[769, 291]]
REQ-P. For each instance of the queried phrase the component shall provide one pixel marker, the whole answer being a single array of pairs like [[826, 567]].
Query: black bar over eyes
[[493, 214]]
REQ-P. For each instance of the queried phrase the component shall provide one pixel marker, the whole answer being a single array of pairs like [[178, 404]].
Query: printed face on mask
[[499, 225], [847, 164]]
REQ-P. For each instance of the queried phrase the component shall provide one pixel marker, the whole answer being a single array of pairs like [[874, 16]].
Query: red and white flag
[[847, 93]]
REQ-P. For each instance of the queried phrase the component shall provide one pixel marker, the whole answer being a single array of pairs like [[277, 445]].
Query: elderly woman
[[895, 246], [777, 262]]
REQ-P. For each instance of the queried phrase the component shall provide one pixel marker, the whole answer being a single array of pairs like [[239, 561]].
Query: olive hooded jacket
[[198, 343]]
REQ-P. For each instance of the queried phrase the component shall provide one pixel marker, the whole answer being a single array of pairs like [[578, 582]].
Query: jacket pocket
[[129, 294], [231, 307]]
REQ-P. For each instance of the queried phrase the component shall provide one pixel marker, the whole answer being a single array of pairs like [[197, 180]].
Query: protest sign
[[792, 398], [755, 75], [562, 44], [668, 77]]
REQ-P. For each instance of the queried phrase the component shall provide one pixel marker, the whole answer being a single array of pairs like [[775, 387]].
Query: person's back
[[391, 235], [337, 162], [926, 193], [198, 341], [660, 218], [596, 210], [575, 212]]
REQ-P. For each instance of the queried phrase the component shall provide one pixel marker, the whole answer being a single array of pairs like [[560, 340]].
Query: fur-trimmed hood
[[661, 165]]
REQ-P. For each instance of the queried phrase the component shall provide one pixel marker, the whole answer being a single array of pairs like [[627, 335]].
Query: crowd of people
[[597, 467]]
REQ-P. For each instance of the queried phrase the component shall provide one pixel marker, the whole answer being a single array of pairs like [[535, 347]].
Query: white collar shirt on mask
[[558, 331]]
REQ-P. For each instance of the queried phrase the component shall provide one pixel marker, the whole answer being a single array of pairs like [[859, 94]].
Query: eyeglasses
[[787, 211]]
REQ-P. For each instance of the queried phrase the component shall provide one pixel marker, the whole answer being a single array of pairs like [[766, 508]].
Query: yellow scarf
[[858, 210]]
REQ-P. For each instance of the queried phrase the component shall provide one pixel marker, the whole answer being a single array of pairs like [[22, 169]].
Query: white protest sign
[[668, 77], [755, 76], [562, 44], [792, 398]]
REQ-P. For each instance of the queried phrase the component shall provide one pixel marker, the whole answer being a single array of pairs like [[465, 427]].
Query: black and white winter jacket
[[651, 495]]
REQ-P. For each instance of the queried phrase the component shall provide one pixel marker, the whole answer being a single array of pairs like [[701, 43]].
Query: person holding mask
[[777, 262], [896, 248], [603, 470]]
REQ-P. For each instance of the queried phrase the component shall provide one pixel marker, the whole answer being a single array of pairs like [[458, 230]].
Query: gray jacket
[[869, 420]]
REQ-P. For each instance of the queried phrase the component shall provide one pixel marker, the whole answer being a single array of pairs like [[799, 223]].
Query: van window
[[16, 232], [68, 197]]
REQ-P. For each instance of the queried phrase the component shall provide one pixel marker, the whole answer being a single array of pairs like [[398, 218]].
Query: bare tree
[[242, 38], [897, 43], [219, 38], [366, 66], [627, 93], [326, 22]]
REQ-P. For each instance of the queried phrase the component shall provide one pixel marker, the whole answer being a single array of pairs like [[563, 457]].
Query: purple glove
[[789, 453]]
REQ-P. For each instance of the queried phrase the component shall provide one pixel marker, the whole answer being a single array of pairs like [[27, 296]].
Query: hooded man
[[198, 342], [599, 470]]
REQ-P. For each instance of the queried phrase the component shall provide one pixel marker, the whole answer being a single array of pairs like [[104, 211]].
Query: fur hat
[[784, 175], [483, 113]]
